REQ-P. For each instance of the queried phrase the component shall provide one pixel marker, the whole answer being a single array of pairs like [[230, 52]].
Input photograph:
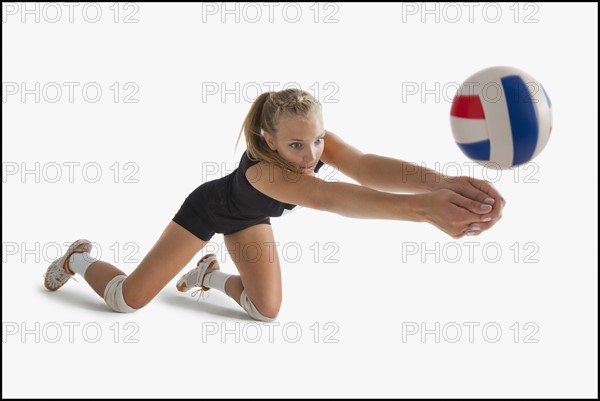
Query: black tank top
[[247, 201]]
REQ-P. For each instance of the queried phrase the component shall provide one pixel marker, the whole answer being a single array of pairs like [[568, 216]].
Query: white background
[[361, 282]]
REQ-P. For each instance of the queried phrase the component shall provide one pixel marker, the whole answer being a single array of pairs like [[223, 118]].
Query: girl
[[286, 145]]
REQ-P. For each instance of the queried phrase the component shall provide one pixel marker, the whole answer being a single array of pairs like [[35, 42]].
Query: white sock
[[216, 280], [79, 262]]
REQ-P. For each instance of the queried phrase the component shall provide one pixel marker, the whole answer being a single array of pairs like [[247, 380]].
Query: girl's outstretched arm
[[393, 175], [378, 172], [449, 211]]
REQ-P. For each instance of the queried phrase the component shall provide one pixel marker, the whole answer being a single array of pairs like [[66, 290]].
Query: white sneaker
[[207, 264], [59, 273]]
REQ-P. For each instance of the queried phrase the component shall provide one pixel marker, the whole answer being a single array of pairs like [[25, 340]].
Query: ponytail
[[251, 124]]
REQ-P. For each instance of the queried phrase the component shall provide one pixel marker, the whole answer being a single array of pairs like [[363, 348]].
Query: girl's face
[[300, 140]]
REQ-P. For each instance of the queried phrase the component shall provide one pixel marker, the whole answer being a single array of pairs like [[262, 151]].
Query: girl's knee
[[113, 295], [137, 299], [137, 302], [265, 309], [136, 294], [270, 310]]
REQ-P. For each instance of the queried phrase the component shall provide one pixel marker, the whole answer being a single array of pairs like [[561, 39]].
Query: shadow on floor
[[214, 305], [76, 299]]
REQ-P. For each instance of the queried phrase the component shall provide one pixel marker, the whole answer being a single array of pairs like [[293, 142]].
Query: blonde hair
[[265, 114]]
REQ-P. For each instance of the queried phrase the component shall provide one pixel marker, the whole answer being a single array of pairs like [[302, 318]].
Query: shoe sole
[[79, 246]]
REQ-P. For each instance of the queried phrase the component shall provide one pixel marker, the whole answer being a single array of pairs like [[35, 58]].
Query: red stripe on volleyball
[[467, 106]]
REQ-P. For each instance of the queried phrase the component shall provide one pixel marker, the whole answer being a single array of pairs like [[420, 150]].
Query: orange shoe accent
[[81, 248], [201, 267], [59, 272], [210, 266]]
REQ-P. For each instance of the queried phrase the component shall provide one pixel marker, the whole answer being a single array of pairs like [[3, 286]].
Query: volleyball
[[501, 117]]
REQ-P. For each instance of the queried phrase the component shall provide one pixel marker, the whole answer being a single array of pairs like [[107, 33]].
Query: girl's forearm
[[393, 175], [357, 201]]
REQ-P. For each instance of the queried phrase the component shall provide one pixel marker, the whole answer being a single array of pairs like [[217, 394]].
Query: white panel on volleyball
[[498, 121], [468, 130]]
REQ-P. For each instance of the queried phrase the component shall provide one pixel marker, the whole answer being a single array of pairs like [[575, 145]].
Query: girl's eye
[[318, 141]]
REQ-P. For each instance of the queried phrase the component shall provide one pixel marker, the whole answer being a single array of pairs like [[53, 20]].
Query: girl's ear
[[270, 140]]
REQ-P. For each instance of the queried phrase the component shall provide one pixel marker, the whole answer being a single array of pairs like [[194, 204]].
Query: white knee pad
[[113, 295], [251, 309]]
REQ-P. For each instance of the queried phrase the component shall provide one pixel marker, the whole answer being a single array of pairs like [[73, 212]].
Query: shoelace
[[200, 293]]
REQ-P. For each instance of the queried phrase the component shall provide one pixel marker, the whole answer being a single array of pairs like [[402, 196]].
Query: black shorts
[[205, 212]]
